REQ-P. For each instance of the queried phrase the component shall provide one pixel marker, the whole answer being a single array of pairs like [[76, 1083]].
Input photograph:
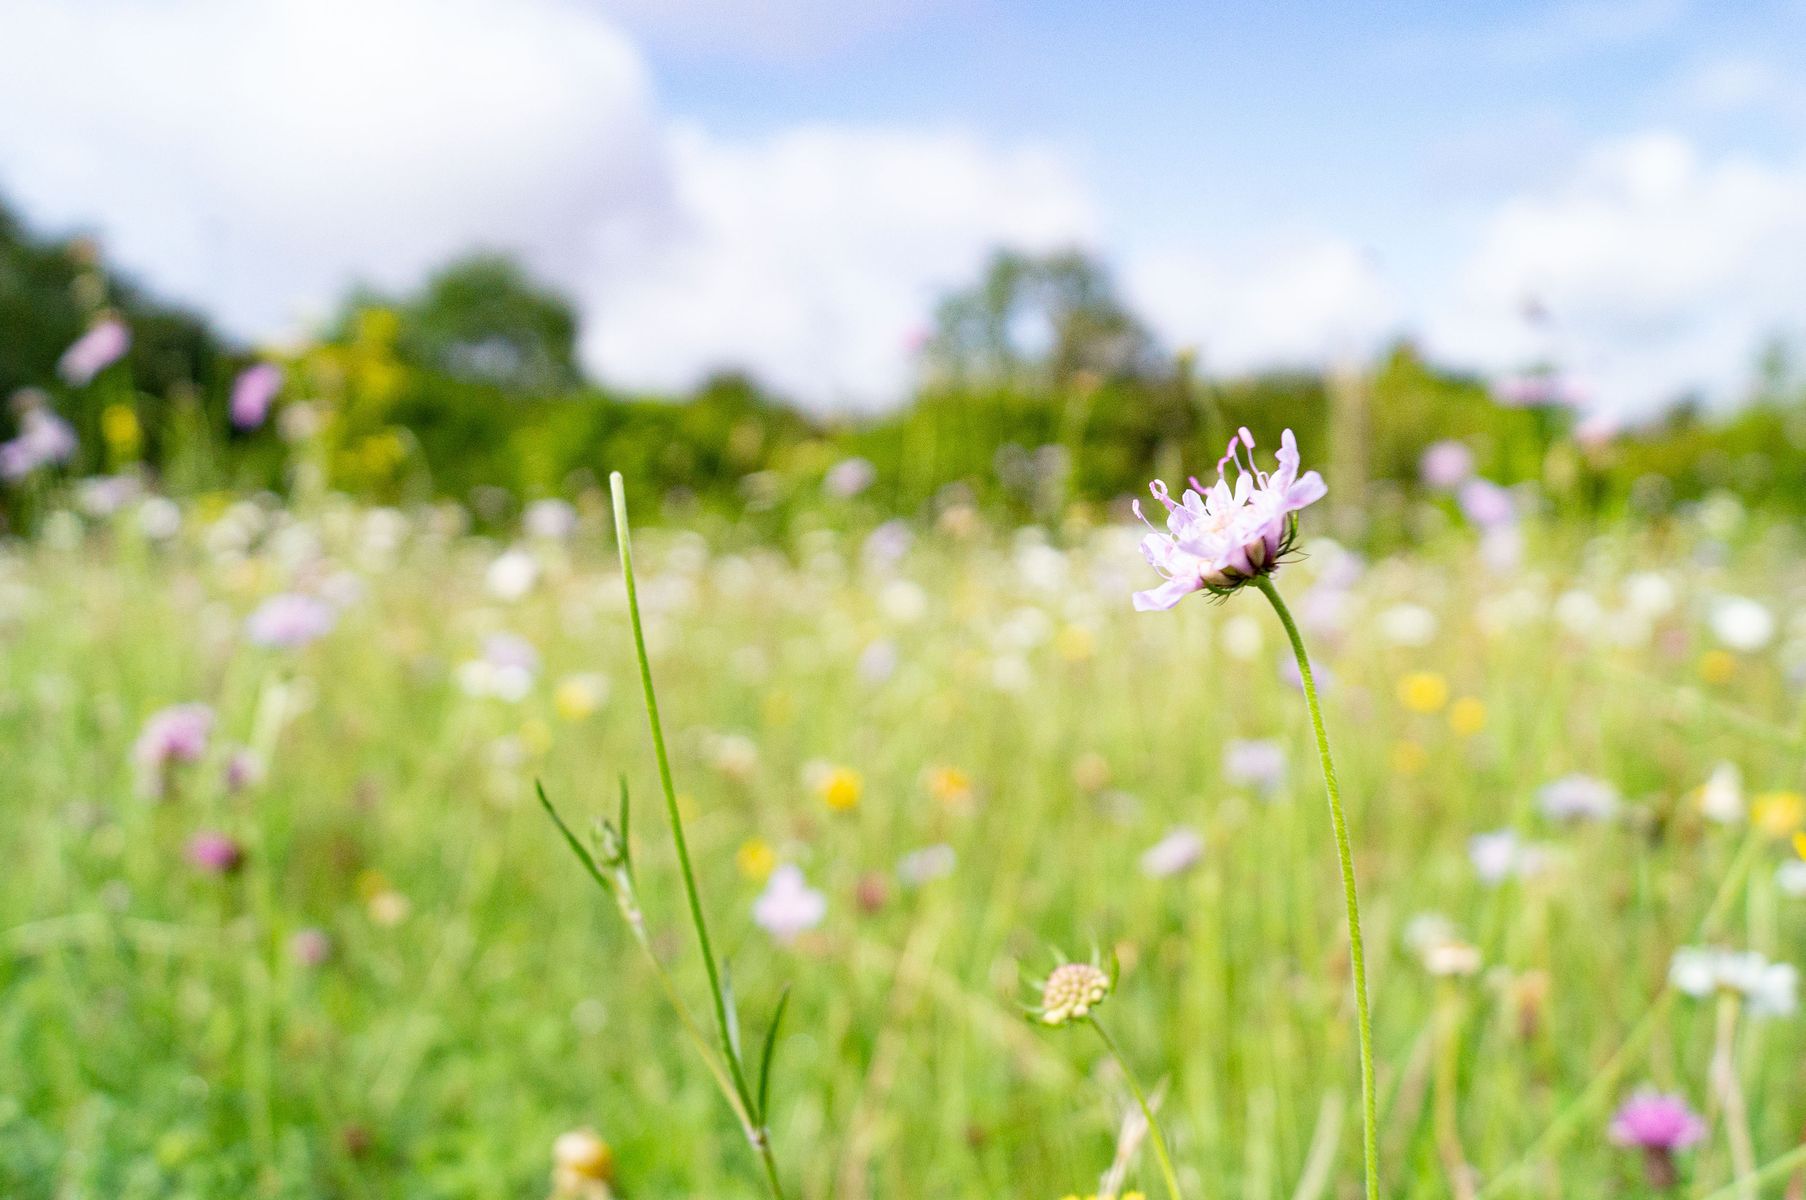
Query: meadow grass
[[988, 690]]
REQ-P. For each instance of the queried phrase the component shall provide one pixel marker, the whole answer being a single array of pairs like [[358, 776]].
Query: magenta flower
[[215, 853], [1219, 538], [177, 734], [94, 351], [1658, 1125], [1653, 1119], [253, 392], [290, 621]]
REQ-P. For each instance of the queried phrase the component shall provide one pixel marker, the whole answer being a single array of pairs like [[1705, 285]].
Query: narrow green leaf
[[626, 846], [765, 1056], [571, 840], [730, 1013]]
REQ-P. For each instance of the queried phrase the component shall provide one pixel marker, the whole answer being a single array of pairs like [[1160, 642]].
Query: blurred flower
[[388, 907], [1071, 991], [1409, 757], [1091, 772], [1423, 692], [579, 696], [1217, 540], [1778, 814], [243, 769], [1768, 988], [877, 662], [94, 351], [756, 859], [253, 392], [1502, 855], [848, 477], [1446, 465], [1741, 623], [1650, 1119], [789, 907], [290, 621], [1254, 762], [1467, 716], [506, 671], [871, 893], [1658, 1125], [582, 1166], [512, 575], [215, 853], [1578, 798], [1407, 624], [838, 787], [1721, 796], [926, 865], [310, 947], [950, 787], [1487, 504], [44, 440], [1179, 851], [177, 734], [549, 520], [1717, 666]]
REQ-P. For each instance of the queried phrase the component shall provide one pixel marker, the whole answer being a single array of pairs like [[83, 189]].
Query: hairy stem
[[1147, 1111], [1356, 952], [755, 1120]]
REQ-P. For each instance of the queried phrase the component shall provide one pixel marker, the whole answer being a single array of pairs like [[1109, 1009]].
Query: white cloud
[[814, 257], [1295, 300], [764, 29], [1662, 272], [255, 157]]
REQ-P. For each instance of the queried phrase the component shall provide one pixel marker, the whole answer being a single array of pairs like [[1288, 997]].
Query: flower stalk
[[1356, 951]]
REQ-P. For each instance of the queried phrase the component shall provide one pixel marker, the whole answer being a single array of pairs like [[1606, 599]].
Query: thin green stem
[[1147, 1111], [1356, 952], [755, 1120]]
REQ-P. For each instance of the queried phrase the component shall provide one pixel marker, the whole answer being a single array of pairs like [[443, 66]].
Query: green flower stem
[[755, 1120], [1147, 1111], [1356, 953]]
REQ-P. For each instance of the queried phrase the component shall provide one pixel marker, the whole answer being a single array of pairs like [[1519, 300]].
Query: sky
[[787, 186]]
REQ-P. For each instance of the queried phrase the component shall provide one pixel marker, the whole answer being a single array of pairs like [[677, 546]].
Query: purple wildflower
[[1446, 465], [789, 907], [44, 439], [253, 392], [1658, 1125], [215, 853], [1486, 504], [310, 947], [1221, 537], [848, 477], [177, 734], [290, 621], [94, 351]]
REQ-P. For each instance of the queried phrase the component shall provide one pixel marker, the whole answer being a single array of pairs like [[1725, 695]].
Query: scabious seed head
[[1072, 991]]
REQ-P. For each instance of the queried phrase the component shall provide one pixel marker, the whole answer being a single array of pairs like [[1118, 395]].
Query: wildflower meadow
[[283, 915]]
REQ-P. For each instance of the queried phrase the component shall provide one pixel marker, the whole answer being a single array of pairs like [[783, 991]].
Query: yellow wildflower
[[1467, 716], [1423, 691], [756, 859], [840, 788], [1778, 814], [1717, 666]]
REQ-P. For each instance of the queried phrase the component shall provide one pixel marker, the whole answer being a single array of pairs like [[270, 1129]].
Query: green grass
[[158, 1039]]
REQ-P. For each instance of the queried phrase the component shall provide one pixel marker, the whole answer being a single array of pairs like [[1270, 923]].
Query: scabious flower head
[[1071, 991], [1218, 538], [1653, 1121], [94, 351], [1174, 854], [789, 907], [290, 621], [1578, 798], [44, 440], [177, 734], [1446, 465], [215, 853], [252, 394]]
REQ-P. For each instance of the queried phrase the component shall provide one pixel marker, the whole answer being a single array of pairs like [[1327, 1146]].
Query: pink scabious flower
[[789, 907], [290, 621], [1220, 537], [253, 392], [94, 351], [177, 734], [215, 853]]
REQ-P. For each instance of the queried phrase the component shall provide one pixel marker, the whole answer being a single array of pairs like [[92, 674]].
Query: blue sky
[[787, 184]]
